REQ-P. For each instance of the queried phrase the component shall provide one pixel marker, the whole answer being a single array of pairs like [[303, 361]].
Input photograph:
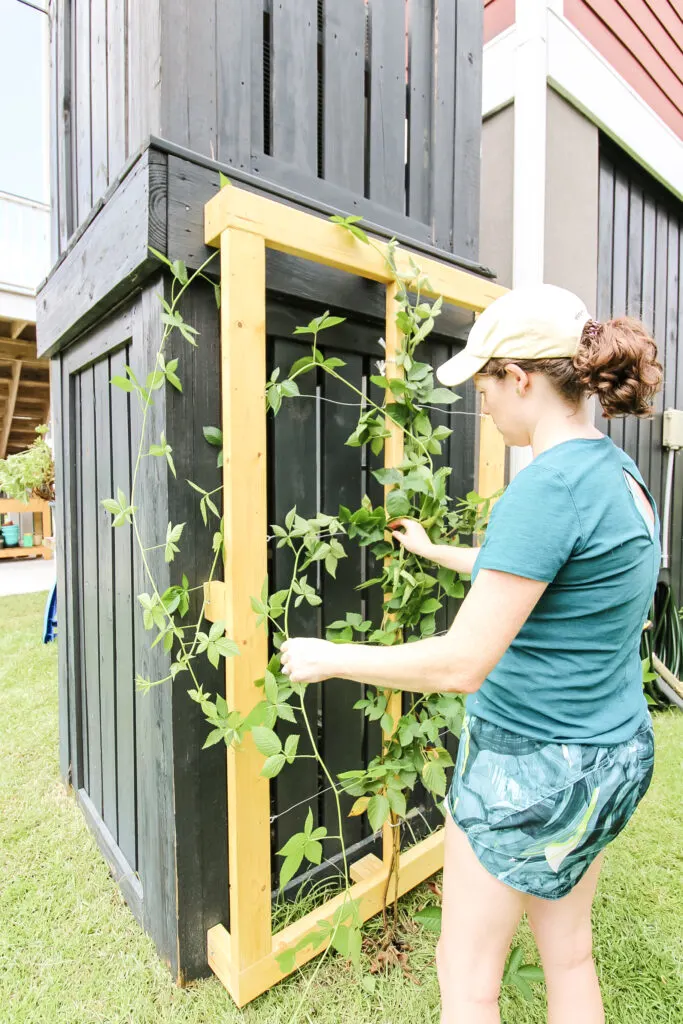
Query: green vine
[[413, 592]]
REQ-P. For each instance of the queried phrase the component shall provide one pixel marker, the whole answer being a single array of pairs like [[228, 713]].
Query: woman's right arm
[[414, 538]]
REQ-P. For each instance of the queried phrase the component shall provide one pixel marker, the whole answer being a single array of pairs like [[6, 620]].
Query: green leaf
[[434, 778], [388, 477], [530, 972], [378, 811], [397, 504], [223, 180], [440, 396], [214, 737], [214, 435], [267, 742], [291, 744], [123, 383], [273, 766], [429, 606], [180, 271], [290, 867], [369, 983], [397, 801], [429, 918]]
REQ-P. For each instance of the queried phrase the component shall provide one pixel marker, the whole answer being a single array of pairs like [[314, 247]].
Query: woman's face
[[500, 401]]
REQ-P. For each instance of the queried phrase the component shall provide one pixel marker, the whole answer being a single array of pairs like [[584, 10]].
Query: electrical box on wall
[[673, 428]]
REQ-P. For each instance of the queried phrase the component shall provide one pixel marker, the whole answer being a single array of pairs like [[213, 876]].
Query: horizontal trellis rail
[[244, 225]]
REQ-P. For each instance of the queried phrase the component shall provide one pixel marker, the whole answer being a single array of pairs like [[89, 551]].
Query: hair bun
[[617, 361]]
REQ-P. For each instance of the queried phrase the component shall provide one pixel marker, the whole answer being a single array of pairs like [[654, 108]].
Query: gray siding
[[640, 251]]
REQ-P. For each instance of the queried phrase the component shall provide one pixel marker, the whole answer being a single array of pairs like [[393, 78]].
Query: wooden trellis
[[244, 225]]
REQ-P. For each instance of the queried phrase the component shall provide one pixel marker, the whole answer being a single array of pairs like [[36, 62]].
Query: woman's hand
[[307, 660], [414, 538]]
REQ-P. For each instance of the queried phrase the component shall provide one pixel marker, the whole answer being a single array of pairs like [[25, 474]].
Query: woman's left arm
[[489, 619]]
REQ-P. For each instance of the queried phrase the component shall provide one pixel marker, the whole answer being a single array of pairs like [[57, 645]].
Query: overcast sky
[[23, 96]]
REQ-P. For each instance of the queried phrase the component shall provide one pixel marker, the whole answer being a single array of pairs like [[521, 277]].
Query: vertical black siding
[[125, 773], [371, 105], [639, 273], [324, 475]]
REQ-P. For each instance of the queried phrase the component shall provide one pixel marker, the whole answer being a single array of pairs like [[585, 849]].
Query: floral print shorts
[[537, 814]]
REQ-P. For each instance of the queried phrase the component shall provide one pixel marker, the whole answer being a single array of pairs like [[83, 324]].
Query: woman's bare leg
[[563, 932], [480, 917]]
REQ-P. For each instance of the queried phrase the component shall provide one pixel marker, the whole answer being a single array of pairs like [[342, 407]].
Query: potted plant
[[30, 473]]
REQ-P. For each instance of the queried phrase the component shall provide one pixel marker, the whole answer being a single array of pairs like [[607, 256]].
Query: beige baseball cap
[[532, 322]]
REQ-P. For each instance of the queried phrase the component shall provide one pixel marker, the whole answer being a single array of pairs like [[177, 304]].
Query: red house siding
[[498, 15], [643, 41]]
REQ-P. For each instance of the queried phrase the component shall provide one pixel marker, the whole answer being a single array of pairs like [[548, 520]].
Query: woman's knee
[[466, 978], [565, 950]]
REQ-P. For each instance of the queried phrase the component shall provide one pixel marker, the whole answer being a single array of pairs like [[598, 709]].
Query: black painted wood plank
[[294, 482], [82, 101], [387, 184], [201, 76], [200, 786], [104, 267], [99, 117], [73, 526], [673, 349], [235, 26], [444, 123], [188, 113], [56, 104], [105, 438], [619, 271], [295, 83], [66, 708], [420, 44], [145, 72], [467, 162], [123, 618], [117, 86], [634, 271], [605, 256], [648, 435], [91, 583], [343, 728], [153, 710], [344, 94], [657, 462]]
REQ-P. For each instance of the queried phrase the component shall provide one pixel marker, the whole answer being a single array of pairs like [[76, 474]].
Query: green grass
[[71, 952]]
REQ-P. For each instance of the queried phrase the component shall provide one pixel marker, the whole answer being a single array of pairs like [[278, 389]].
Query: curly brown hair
[[615, 360]]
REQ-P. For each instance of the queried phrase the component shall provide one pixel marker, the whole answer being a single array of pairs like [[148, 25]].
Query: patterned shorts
[[536, 814]]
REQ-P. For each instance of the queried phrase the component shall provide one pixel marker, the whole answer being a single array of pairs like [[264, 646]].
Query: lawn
[[71, 952]]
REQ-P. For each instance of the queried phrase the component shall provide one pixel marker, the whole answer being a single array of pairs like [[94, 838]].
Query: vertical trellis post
[[243, 357], [393, 456]]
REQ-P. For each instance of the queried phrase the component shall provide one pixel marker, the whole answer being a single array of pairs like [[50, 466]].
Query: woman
[[557, 744]]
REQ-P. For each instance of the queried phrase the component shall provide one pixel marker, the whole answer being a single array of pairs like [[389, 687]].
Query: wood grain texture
[[387, 184], [295, 86], [344, 94], [243, 359], [124, 668]]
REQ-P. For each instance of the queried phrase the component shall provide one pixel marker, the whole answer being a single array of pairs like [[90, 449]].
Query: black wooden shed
[[366, 107]]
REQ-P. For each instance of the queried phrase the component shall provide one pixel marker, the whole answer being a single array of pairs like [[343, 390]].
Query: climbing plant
[[413, 592]]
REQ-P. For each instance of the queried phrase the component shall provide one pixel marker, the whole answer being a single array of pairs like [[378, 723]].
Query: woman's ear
[[519, 378]]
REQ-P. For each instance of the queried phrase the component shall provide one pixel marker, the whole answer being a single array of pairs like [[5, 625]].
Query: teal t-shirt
[[573, 673]]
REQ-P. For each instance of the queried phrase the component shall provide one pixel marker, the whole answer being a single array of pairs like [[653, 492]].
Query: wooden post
[[393, 456], [243, 360], [491, 469]]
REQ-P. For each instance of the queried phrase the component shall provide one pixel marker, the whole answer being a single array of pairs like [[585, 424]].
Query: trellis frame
[[243, 225]]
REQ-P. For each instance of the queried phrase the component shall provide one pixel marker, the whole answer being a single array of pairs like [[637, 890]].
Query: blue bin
[[11, 535]]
